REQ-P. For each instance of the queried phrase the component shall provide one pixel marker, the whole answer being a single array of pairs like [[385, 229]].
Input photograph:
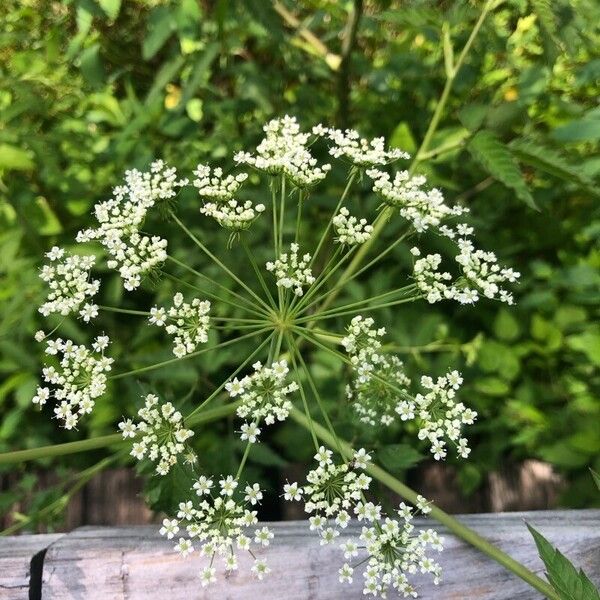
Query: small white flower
[[184, 547], [208, 576], [346, 573], [292, 271], [253, 494], [188, 323], [203, 485], [292, 491], [169, 528], [161, 433], [263, 536], [250, 432], [228, 486], [260, 569], [351, 231]]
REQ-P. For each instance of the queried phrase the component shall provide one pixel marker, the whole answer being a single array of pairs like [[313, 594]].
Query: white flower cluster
[[393, 551], [351, 231], [69, 281], [160, 434], [284, 150], [263, 396], [406, 193], [375, 400], [228, 212], [233, 215], [188, 323], [360, 152], [212, 184], [79, 379], [134, 254], [440, 415], [333, 493], [432, 282], [292, 271], [219, 523], [481, 274], [362, 343]]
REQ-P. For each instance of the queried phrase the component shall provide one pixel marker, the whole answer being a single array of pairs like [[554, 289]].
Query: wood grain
[[135, 563], [16, 556]]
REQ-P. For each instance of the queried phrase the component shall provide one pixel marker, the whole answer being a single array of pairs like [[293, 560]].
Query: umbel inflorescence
[[283, 306]]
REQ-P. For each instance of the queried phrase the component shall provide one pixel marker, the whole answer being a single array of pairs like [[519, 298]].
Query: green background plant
[[90, 88]]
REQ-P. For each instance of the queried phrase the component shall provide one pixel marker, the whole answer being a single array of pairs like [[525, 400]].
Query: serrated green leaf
[[549, 28], [397, 457], [550, 161], [569, 583], [498, 161]]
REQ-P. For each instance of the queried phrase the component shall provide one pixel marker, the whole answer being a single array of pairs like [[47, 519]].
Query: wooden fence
[[135, 563]]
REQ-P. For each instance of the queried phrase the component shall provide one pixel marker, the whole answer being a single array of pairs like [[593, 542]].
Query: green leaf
[[583, 130], [506, 327], [498, 161], [161, 26], [569, 583], [587, 342], [549, 28], [550, 161], [264, 455], [596, 478], [403, 138], [111, 8], [397, 457], [15, 159]]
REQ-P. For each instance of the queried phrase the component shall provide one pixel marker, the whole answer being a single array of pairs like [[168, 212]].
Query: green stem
[[243, 461], [61, 503], [335, 289], [405, 289], [281, 213], [317, 396], [334, 314], [187, 356], [454, 525], [237, 370], [302, 393], [124, 311], [351, 179], [383, 216], [95, 443], [219, 262], [250, 309], [299, 215], [259, 275]]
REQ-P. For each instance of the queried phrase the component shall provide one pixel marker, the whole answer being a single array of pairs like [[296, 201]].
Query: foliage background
[[89, 88]]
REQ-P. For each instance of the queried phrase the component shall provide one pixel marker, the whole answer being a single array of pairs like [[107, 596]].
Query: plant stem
[[454, 525], [190, 417], [164, 363], [125, 311], [219, 262], [351, 179], [250, 309], [259, 275], [95, 443], [381, 220]]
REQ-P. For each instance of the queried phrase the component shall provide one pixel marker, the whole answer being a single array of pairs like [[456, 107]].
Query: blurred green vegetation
[[89, 88]]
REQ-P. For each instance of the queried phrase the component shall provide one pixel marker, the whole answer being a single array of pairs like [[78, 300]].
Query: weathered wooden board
[[136, 563], [20, 555]]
